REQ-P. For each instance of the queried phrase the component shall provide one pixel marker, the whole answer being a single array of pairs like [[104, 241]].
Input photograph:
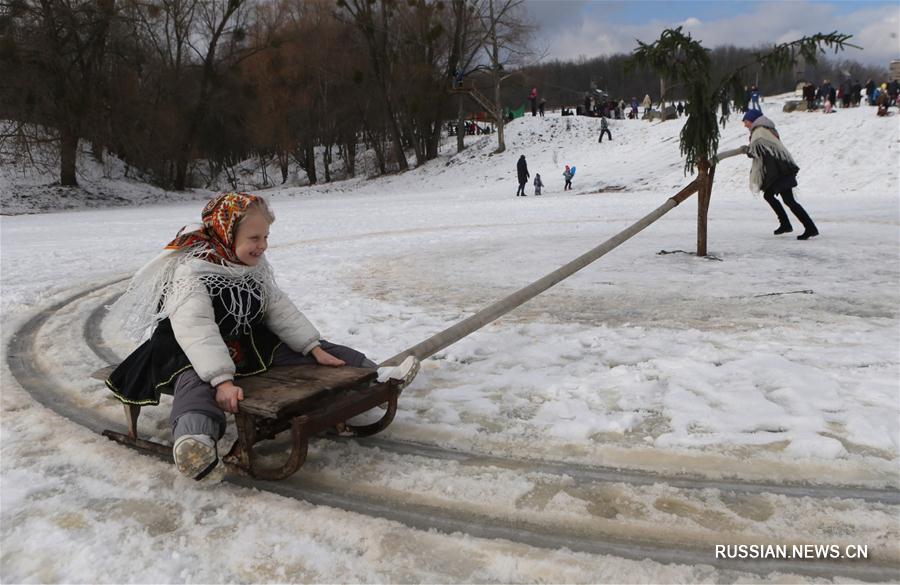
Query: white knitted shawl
[[164, 283], [764, 141]]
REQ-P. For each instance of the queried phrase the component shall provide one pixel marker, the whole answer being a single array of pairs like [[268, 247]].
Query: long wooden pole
[[727, 154], [451, 335]]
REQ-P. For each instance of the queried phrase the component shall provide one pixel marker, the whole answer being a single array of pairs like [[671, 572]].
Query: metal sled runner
[[306, 400]]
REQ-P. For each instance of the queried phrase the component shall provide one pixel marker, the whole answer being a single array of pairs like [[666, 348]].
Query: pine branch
[[680, 59], [779, 59]]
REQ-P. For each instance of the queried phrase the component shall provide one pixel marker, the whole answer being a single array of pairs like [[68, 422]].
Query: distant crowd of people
[[850, 93], [537, 104], [470, 129], [825, 97]]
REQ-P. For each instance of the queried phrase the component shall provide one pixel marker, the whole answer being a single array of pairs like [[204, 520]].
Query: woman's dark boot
[[809, 228], [783, 229], [784, 224], [808, 233]]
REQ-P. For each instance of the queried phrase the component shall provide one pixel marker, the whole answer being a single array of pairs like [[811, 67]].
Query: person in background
[[846, 93], [567, 175], [774, 172], [522, 172], [604, 129], [883, 102], [457, 79], [855, 91], [538, 184], [754, 98], [809, 94]]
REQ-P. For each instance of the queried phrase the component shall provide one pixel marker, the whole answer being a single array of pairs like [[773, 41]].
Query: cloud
[[877, 34], [873, 28], [555, 16]]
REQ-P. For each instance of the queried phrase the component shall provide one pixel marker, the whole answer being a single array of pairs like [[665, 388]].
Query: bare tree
[[467, 40], [217, 20], [52, 68], [506, 46], [375, 21], [192, 45]]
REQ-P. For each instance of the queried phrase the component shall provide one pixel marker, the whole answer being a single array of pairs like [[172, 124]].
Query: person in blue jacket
[[754, 98]]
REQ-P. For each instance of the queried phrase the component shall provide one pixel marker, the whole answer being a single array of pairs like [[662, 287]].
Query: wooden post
[[662, 99], [704, 195]]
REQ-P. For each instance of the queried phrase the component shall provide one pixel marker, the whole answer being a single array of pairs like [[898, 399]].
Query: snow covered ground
[[775, 360]]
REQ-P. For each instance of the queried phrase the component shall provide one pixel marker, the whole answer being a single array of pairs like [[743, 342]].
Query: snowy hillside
[[773, 360]]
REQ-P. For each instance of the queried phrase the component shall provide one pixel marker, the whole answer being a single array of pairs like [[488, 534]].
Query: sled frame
[[306, 400]]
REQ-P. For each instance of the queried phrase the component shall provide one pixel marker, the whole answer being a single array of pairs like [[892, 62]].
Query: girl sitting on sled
[[216, 313]]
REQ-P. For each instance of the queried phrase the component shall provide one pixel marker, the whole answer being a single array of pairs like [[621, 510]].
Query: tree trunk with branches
[[217, 23], [378, 41], [53, 70], [506, 44]]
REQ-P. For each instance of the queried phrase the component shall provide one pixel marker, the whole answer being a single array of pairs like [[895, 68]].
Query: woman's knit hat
[[751, 116]]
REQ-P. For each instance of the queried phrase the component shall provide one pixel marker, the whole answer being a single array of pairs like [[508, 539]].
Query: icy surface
[[778, 359]]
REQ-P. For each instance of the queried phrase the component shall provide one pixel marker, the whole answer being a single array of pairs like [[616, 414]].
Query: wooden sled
[[306, 400]]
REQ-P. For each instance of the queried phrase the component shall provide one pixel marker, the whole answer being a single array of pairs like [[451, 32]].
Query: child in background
[[604, 129], [567, 174], [217, 314], [538, 184]]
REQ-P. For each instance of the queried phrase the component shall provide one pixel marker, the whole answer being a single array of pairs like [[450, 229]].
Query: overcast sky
[[572, 28]]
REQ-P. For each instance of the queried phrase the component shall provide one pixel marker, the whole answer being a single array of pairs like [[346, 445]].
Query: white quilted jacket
[[194, 324]]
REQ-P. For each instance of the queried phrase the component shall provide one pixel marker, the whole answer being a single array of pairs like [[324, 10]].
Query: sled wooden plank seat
[[305, 399], [284, 391]]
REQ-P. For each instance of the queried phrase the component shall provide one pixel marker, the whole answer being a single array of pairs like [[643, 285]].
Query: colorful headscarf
[[215, 240]]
